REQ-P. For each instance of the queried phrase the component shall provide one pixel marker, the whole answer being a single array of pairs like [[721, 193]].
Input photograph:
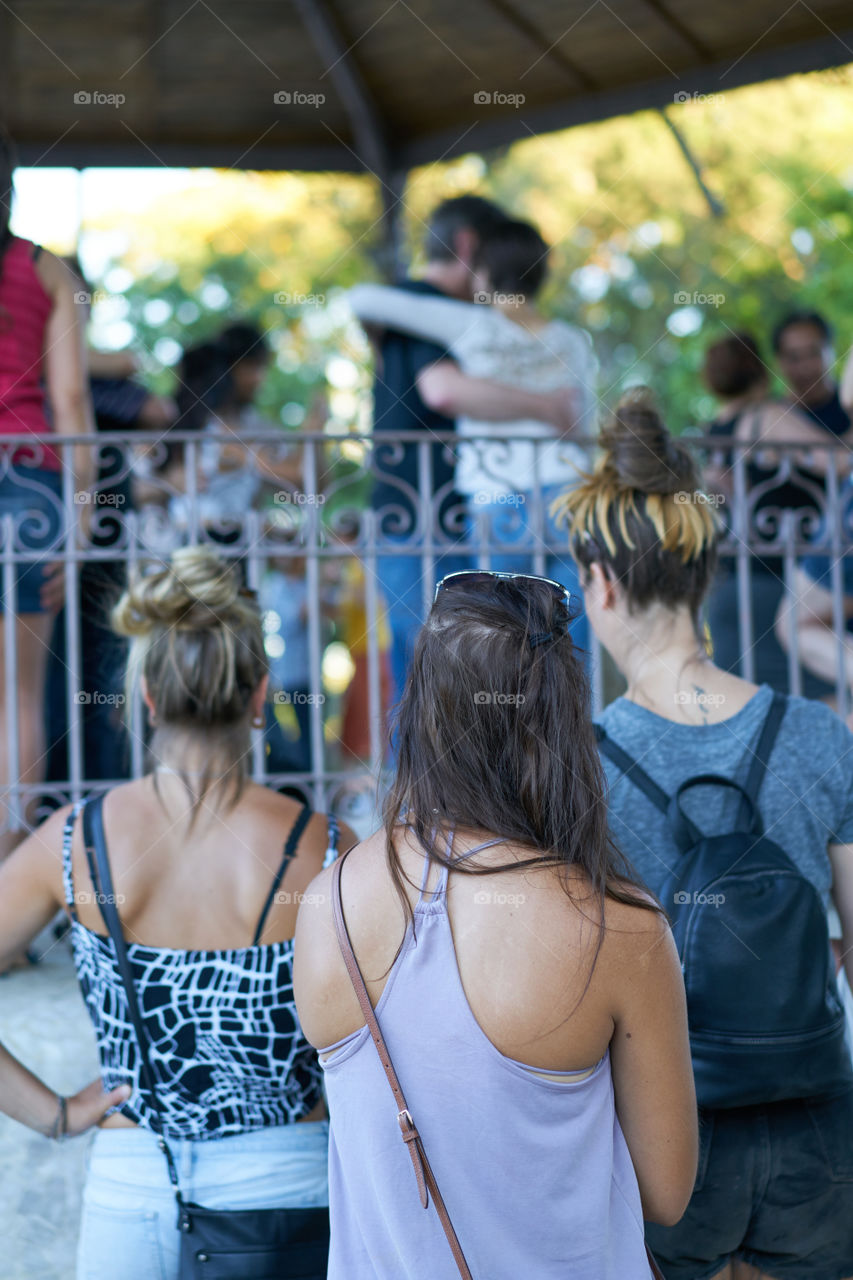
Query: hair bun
[[194, 591], [640, 454]]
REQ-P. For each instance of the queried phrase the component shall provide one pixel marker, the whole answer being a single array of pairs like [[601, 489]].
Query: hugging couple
[[464, 349]]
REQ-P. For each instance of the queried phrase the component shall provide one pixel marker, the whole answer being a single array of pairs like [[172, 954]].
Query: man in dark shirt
[[418, 387], [802, 342]]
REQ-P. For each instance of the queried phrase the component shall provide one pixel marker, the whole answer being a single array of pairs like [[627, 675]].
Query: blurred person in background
[[736, 373], [218, 381], [806, 615], [207, 871], [420, 387], [43, 389], [122, 405], [802, 344], [502, 336], [283, 597], [354, 627]]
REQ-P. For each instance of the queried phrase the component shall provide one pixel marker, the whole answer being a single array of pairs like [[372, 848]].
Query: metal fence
[[263, 500]]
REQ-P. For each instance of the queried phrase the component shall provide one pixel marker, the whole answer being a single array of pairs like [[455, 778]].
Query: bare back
[[202, 888], [546, 986]]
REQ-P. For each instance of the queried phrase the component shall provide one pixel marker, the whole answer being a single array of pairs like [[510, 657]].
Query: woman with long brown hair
[[528, 990]]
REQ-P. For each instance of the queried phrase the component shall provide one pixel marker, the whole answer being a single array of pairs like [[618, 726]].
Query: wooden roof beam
[[547, 48]]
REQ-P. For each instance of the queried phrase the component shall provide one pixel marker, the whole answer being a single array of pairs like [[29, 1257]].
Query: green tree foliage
[[637, 256]]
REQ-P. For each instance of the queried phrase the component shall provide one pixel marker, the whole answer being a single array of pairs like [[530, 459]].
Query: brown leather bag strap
[[427, 1184]]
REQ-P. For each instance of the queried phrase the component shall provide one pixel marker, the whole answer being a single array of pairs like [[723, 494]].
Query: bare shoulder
[[638, 957], [34, 868], [634, 929], [327, 1005], [54, 274]]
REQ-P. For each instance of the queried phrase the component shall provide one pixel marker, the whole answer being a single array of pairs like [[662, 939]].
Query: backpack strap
[[650, 789], [631, 769], [286, 858], [763, 749]]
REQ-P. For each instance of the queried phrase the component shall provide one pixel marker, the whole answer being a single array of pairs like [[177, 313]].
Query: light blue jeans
[[401, 580], [129, 1226]]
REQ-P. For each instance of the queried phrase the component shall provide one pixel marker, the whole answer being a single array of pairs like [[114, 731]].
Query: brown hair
[[496, 735], [514, 257], [198, 641], [733, 365], [641, 514]]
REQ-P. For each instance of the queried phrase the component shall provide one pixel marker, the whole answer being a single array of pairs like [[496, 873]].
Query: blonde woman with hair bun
[[774, 1192], [208, 869]]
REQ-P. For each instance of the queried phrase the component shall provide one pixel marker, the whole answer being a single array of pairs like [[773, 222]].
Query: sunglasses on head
[[482, 577]]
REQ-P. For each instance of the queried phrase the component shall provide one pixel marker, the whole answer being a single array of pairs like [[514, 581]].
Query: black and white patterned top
[[225, 1041]]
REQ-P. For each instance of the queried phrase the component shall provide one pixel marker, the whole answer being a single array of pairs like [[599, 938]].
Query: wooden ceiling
[[372, 84]]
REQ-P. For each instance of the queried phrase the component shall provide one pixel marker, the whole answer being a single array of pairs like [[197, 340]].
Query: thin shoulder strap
[[67, 869], [423, 1173], [763, 748], [99, 867], [632, 770], [286, 859]]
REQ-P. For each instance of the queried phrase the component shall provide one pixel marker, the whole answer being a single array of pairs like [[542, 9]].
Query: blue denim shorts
[[129, 1225], [33, 498], [774, 1188]]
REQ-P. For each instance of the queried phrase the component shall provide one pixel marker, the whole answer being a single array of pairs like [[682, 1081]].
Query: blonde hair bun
[[639, 452], [196, 589]]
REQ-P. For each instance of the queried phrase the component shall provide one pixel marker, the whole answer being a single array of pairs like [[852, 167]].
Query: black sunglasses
[[481, 577]]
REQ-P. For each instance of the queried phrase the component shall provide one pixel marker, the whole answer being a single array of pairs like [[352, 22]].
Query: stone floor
[[43, 1021]]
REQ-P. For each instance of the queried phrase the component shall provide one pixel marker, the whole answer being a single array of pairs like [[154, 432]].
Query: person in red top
[[43, 388]]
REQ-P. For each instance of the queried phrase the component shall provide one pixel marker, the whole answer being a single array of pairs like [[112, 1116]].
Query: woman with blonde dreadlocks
[[774, 1192]]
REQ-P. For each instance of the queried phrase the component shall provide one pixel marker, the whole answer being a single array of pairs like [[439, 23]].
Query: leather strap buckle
[[407, 1125]]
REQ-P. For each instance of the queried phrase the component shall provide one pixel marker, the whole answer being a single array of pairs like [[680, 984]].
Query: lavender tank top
[[535, 1173]]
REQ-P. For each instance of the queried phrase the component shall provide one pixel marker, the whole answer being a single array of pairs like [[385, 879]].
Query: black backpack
[[766, 1022]]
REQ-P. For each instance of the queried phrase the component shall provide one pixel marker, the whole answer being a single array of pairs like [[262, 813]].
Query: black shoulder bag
[[216, 1244]]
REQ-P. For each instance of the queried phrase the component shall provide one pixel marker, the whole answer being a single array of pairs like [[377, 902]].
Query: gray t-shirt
[[806, 798]]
